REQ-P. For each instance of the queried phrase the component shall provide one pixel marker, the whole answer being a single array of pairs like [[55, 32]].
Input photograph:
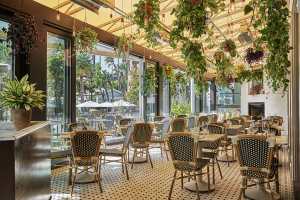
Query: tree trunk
[[112, 91], [81, 91], [104, 86]]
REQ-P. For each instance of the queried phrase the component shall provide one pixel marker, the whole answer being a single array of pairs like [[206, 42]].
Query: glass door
[[58, 87], [151, 102]]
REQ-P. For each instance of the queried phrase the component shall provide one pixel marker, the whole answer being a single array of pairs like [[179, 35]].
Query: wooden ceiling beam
[[61, 5], [120, 28], [75, 11], [69, 8]]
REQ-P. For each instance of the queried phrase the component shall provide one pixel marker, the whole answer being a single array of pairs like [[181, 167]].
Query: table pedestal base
[[223, 158], [137, 159], [202, 186], [85, 178], [260, 194]]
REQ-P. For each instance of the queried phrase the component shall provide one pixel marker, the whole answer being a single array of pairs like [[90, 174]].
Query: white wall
[[274, 102]]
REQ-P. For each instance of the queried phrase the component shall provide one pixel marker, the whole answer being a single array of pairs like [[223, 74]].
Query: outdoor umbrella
[[121, 103], [89, 104]]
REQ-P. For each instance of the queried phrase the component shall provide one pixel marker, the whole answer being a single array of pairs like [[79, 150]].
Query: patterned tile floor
[[147, 183]]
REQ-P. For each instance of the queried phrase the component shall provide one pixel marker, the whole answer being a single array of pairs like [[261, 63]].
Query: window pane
[[6, 68], [58, 87]]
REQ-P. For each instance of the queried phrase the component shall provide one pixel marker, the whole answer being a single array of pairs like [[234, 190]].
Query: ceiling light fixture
[[163, 18], [58, 13], [122, 22], [74, 29], [232, 5]]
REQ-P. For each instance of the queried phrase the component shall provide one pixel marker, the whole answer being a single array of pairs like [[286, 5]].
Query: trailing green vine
[[151, 23], [125, 44], [274, 19], [86, 39], [190, 25], [229, 46], [150, 78], [250, 75]]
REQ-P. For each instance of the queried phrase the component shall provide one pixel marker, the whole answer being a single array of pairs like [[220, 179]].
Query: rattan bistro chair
[[85, 148], [257, 161], [203, 120], [191, 122], [212, 152], [181, 116], [178, 125], [117, 153], [183, 150], [215, 118], [123, 122], [141, 136], [161, 141]]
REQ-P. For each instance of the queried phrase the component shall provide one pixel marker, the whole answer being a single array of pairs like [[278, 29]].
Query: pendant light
[[163, 18], [74, 29], [243, 4], [122, 22], [144, 57], [150, 54], [232, 5], [57, 12]]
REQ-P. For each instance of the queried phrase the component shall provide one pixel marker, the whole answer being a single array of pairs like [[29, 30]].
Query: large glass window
[[151, 102], [6, 68], [103, 78], [58, 87], [229, 98]]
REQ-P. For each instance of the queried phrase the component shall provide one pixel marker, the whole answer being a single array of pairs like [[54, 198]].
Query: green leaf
[[248, 9]]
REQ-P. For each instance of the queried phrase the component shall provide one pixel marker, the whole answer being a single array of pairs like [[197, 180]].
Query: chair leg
[[172, 184], [147, 152], [232, 150], [125, 163], [99, 168], [276, 181], [242, 189], [122, 164], [213, 169], [208, 179], [269, 188], [189, 177], [70, 172], [226, 153], [134, 153], [219, 167], [73, 183], [196, 184], [165, 149], [181, 179], [98, 177]]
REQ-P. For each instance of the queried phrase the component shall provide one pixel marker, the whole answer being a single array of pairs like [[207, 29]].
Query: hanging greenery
[[229, 46], [150, 78], [22, 35], [240, 68], [223, 63], [225, 79], [250, 75], [274, 18], [190, 25], [177, 80], [146, 16], [125, 45], [85, 40], [254, 54]]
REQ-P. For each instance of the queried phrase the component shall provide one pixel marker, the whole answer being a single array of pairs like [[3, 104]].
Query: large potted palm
[[21, 97]]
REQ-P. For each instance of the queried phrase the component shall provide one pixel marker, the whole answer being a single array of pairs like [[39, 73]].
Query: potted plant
[[194, 2], [21, 97], [241, 67], [254, 54], [229, 46], [85, 40], [147, 17], [22, 35], [167, 70], [124, 46], [150, 78], [218, 55]]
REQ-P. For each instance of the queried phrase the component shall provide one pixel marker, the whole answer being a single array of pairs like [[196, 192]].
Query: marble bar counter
[[25, 164]]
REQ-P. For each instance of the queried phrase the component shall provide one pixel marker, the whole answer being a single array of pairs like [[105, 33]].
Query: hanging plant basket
[[168, 72], [85, 40], [218, 56], [194, 2], [148, 14], [22, 34], [227, 48], [254, 54]]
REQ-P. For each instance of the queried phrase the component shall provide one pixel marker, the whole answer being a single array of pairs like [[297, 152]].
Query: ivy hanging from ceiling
[[192, 23], [273, 24]]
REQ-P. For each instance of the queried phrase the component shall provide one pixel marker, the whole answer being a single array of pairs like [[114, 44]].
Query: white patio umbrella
[[106, 105], [89, 104], [121, 103]]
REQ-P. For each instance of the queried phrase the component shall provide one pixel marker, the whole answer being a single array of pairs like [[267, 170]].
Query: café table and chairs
[[178, 125], [181, 116], [141, 136], [121, 154], [85, 153], [215, 118], [161, 141]]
